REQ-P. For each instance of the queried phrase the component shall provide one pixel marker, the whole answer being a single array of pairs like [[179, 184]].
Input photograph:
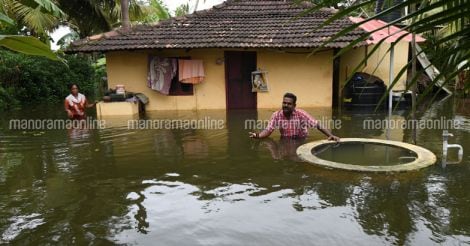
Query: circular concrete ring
[[424, 157]]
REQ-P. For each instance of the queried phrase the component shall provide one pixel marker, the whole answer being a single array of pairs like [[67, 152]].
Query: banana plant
[[24, 44], [27, 45]]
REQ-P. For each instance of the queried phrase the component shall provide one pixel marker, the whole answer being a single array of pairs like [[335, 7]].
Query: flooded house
[[241, 55]]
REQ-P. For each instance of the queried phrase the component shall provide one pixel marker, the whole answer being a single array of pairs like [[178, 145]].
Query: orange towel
[[190, 71]]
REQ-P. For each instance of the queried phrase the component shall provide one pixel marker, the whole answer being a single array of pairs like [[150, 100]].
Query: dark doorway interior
[[238, 68]]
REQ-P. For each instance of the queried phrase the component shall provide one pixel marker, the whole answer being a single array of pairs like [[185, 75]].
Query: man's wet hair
[[292, 96]]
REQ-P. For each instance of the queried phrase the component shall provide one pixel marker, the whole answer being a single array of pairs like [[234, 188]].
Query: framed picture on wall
[[259, 81]]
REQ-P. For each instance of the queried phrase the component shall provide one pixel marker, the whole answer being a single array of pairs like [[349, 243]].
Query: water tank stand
[[446, 146]]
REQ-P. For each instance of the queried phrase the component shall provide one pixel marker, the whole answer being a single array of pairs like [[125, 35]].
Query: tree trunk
[[126, 23]]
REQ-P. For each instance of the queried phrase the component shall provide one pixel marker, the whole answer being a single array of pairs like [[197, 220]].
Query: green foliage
[[23, 44], [30, 79], [429, 15], [50, 7], [88, 17], [6, 19], [101, 76], [7, 101], [182, 10], [67, 39], [38, 16], [156, 11], [27, 45]]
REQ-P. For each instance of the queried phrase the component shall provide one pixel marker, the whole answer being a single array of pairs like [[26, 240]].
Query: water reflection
[[200, 187], [282, 149], [364, 154]]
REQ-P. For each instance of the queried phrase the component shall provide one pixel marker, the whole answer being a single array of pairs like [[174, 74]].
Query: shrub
[[30, 79]]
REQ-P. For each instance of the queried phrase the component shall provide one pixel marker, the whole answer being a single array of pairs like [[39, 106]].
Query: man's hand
[[253, 135], [333, 138]]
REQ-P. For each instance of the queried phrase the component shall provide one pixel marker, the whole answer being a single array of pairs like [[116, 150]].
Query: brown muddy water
[[218, 187]]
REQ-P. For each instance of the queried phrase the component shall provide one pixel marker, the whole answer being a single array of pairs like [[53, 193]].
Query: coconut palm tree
[[38, 16], [23, 44], [88, 17], [155, 11], [85, 17], [126, 22]]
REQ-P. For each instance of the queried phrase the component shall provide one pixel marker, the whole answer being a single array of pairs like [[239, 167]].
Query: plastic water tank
[[364, 90]]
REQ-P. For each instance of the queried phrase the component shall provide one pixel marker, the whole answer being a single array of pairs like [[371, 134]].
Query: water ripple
[[20, 224]]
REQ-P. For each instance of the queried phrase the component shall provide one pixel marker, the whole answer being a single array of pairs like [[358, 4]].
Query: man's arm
[[269, 129], [312, 122], [263, 134], [327, 133]]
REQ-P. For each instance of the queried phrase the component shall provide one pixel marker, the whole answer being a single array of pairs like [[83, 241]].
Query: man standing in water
[[75, 104], [292, 123]]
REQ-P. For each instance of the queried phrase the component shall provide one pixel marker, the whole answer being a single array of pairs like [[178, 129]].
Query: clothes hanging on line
[[190, 71], [161, 72]]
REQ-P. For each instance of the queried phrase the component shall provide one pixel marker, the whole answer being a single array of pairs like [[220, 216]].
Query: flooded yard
[[219, 187]]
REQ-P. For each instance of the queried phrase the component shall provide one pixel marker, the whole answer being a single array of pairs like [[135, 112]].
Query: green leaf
[[6, 19], [27, 45], [161, 11], [344, 13], [50, 7]]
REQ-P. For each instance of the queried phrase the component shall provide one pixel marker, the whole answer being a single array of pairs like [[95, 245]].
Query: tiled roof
[[232, 24]]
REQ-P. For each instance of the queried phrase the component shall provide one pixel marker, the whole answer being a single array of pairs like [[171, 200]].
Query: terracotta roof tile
[[232, 24]]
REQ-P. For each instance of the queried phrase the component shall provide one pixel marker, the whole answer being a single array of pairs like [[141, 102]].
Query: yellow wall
[[378, 64], [130, 69], [104, 109], [310, 78]]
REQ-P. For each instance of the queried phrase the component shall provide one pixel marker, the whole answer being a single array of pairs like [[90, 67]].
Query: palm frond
[[6, 19], [453, 14], [34, 18]]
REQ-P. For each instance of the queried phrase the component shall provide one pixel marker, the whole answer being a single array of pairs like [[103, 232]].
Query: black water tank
[[364, 90]]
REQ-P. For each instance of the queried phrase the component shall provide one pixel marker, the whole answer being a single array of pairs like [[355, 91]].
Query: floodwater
[[218, 187], [364, 154]]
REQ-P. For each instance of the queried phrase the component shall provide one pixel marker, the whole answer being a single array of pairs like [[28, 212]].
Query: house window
[[180, 89]]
